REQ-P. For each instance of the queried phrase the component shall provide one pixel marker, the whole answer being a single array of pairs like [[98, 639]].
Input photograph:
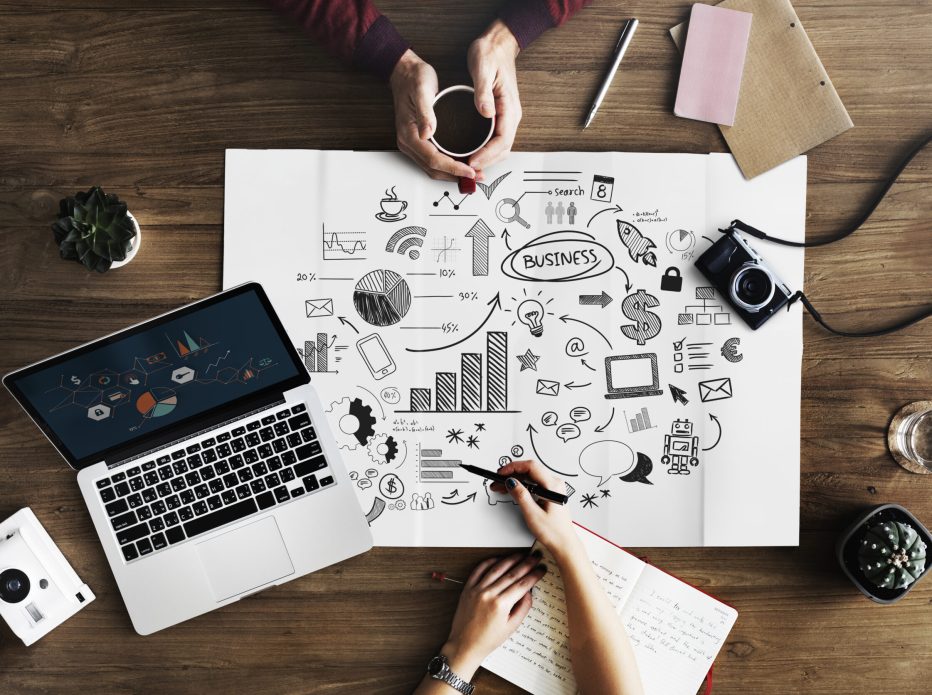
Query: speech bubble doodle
[[517, 451], [372, 473], [391, 395], [354, 475], [575, 347], [580, 414], [549, 419], [606, 458], [567, 432], [641, 470], [364, 483]]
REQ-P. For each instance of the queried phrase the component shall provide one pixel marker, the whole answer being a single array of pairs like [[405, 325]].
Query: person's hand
[[414, 86], [495, 600], [491, 61], [550, 522]]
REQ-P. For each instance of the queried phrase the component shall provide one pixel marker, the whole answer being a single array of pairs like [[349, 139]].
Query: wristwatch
[[439, 668]]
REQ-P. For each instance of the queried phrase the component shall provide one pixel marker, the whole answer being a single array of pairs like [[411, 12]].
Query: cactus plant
[[892, 555], [94, 229]]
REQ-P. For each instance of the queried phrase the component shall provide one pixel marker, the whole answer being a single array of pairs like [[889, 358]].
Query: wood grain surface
[[143, 98]]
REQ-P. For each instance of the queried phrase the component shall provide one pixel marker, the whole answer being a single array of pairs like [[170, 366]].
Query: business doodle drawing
[[555, 314]]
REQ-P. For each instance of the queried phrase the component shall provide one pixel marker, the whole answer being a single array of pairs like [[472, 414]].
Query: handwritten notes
[[675, 630]]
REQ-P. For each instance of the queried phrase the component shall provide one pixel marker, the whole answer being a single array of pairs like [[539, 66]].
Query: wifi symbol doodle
[[410, 238]]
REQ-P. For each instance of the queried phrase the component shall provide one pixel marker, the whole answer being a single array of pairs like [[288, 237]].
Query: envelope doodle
[[318, 307], [714, 390]]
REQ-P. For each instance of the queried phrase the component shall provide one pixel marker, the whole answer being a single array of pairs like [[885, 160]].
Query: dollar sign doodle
[[75, 380], [390, 486], [647, 323]]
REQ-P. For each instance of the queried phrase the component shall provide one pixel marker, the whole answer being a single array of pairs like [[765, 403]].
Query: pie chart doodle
[[382, 298], [156, 402]]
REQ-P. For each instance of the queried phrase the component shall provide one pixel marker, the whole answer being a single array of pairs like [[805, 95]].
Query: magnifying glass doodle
[[514, 215]]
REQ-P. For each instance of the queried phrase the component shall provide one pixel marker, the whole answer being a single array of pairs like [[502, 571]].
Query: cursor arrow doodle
[[480, 235]]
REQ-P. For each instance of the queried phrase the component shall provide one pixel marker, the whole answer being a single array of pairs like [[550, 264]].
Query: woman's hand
[[495, 599], [491, 60], [414, 86], [550, 522]]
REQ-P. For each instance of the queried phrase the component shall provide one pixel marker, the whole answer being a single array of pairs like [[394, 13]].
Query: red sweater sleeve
[[528, 19], [353, 30]]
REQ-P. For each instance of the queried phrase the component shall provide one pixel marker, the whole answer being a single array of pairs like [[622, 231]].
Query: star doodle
[[606, 493], [480, 427], [528, 360], [454, 436], [589, 501], [472, 441]]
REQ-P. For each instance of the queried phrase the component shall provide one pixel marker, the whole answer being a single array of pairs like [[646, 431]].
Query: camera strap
[[799, 296]]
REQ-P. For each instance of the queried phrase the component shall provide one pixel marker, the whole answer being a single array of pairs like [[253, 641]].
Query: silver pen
[[626, 34]]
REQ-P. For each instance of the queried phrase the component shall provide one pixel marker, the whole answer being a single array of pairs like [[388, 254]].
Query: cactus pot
[[846, 550]]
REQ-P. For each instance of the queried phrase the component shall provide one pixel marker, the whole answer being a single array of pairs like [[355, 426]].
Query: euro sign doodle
[[646, 323]]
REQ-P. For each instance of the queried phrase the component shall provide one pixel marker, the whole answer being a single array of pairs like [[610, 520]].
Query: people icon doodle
[[421, 502]]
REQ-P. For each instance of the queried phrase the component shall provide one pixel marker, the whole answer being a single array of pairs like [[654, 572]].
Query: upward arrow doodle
[[480, 235]]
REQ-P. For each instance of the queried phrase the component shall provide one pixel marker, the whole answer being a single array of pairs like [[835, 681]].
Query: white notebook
[[675, 629]]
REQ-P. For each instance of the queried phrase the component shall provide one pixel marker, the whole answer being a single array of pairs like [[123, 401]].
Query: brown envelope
[[787, 104]]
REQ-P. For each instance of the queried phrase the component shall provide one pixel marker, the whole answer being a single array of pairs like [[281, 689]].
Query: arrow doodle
[[566, 318], [586, 365], [614, 208], [574, 385], [455, 493], [610, 417], [679, 395], [347, 323], [602, 300], [495, 303], [480, 235], [628, 284], [715, 420], [466, 499], [506, 236], [531, 431]]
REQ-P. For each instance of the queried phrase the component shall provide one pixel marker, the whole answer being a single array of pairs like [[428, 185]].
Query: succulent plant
[[94, 229], [892, 555]]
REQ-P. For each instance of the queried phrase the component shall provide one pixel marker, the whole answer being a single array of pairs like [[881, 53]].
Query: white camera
[[38, 588]]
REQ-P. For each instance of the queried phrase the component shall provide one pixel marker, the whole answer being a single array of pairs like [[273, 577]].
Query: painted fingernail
[[537, 553], [542, 567], [511, 483]]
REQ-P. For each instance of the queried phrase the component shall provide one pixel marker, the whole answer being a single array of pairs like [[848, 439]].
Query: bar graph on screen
[[432, 467], [441, 397]]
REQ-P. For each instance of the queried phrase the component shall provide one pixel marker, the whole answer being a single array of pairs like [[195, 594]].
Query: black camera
[[742, 277]]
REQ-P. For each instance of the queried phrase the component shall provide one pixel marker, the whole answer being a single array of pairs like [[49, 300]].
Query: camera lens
[[14, 585], [752, 287]]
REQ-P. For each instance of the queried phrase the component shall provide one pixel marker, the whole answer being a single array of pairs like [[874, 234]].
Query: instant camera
[[38, 588]]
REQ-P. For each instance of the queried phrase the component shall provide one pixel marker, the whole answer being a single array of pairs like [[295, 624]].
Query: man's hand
[[414, 86], [495, 599], [492, 66]]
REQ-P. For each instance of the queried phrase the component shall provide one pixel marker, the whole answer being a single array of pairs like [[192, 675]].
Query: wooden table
[[144, 97]]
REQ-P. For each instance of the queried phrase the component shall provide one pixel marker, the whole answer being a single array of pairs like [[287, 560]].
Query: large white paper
[[406, 296]]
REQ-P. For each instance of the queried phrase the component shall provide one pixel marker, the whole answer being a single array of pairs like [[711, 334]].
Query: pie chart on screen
[[156, 402]]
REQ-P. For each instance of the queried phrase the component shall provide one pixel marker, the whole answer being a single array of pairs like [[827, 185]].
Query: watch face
[[435, 666]]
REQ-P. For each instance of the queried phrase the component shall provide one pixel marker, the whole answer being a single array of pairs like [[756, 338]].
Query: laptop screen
[[177, 368], [631, 372]]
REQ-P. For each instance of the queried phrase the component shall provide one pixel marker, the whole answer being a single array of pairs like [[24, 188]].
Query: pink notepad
[[713, 61]]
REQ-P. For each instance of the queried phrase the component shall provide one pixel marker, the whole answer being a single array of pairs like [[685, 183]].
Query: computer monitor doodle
[[632, 376]]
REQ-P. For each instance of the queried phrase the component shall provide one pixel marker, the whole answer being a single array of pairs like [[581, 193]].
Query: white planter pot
[[137, 242]]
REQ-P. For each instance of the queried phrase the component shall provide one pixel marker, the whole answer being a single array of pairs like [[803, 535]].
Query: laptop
[[202, 454], [632, 376]]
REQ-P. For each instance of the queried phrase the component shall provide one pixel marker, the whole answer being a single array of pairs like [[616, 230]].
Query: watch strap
[[447, 675]]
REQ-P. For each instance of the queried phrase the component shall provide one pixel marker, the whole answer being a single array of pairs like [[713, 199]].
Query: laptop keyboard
[[214, 481]]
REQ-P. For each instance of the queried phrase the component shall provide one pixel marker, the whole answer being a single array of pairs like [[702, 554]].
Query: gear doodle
[[382, 448], [355, 420]]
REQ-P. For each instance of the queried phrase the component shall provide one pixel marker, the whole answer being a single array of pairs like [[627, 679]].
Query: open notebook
[[675, 629]]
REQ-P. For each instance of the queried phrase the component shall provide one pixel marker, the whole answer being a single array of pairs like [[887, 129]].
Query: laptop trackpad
[[245, 558]]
